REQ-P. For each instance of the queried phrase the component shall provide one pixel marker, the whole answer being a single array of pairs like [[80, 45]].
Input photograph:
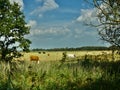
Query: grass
[[85, 75], [57, 55], [51, 74]]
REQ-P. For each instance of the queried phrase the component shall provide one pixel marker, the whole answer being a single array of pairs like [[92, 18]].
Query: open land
[[57, 55], [51, 74]]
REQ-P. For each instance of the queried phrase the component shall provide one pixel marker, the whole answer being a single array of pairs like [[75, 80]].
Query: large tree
[[13, 29], [108, 14]]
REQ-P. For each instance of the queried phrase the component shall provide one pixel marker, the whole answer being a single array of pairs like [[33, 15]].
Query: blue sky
[[60, 23]]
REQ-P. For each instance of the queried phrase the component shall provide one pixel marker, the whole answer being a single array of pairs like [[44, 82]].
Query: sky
[[60, 23]]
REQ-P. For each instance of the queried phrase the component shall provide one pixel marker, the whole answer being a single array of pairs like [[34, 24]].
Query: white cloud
[[39, 0], [40, 15], [46, 29], [87, 15], [32, 23], [47, 6], [67, 10], [79, 31], [20, 3], [54, 31]]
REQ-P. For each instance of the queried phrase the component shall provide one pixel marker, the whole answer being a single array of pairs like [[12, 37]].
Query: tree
[[13, 29], [109, 17], [108, 14]]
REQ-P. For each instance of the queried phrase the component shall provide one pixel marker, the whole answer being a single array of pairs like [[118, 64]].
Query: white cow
[[71, 55]]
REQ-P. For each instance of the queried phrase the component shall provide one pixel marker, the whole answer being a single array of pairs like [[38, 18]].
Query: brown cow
[[34, 58]]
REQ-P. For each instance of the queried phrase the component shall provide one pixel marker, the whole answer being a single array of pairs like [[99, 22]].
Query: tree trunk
[[3, 55]]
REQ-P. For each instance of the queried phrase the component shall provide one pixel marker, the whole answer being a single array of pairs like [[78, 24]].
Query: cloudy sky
[[60, 23]]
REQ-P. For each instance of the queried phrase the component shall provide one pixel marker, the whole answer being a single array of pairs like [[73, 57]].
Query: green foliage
[[13, 28]]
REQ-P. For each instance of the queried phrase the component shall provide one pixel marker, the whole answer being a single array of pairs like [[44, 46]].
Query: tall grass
[[52, 75]]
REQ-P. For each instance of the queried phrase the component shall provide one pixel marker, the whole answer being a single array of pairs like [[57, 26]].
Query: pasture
[[51, 74], [56, 56]]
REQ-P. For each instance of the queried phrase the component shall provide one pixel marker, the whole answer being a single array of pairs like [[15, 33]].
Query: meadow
[[52, 74], [58, 55]]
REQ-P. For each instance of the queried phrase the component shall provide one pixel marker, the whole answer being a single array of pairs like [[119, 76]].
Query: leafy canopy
[[13, 29]]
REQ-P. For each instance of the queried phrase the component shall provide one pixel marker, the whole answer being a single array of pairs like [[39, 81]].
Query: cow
[[34, 58], [71, 55]]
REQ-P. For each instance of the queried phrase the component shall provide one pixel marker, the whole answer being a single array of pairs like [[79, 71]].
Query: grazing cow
[[39, 52], [34, 58], [44, 52], [71, 55]]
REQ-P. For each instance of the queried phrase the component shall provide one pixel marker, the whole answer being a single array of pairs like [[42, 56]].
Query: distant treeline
[[90, 48]]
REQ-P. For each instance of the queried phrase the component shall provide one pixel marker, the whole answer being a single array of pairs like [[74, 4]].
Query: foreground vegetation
[[54, 75]]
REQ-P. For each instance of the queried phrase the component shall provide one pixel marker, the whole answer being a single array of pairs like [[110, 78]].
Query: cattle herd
[[35, 58]]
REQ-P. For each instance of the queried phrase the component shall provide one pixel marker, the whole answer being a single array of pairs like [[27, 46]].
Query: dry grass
[[52, 56], [86, 74]]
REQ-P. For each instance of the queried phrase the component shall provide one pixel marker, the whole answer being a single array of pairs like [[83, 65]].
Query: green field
[[52, 74]]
